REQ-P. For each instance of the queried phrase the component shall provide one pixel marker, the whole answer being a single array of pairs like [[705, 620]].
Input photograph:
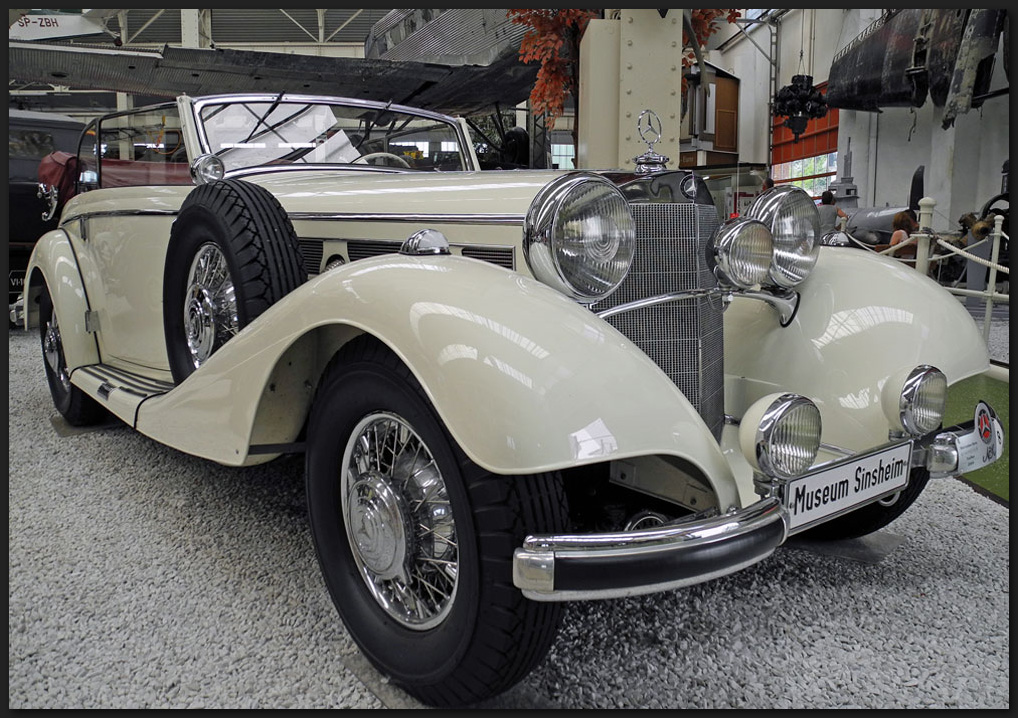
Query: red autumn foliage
[[553, 39]]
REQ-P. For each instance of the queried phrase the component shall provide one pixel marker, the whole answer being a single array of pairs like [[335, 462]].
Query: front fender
[[861, 319], [54, 265], [524, 379]]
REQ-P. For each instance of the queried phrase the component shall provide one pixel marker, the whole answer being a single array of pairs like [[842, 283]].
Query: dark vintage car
[[33, 136]]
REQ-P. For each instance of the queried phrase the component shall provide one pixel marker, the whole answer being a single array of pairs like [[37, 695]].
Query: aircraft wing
[[457, 90]]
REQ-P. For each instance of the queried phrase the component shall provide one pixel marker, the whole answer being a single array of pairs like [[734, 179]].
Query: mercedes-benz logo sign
[[648, 124]]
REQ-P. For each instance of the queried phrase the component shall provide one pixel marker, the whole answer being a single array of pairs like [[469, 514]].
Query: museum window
[[813, 174], [562, 156]]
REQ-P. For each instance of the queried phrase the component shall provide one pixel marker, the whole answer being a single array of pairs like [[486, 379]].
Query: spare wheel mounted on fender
[[233, 253]]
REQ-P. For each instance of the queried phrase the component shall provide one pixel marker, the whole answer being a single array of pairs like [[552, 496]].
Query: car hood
[[469, 193]]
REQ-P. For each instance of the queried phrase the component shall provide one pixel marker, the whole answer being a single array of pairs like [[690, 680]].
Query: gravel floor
[[140, 577]]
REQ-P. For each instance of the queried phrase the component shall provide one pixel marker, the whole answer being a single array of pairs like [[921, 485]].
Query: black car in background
[[32, 135]]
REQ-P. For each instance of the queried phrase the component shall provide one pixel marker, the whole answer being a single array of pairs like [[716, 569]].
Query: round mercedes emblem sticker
[[983, 424]]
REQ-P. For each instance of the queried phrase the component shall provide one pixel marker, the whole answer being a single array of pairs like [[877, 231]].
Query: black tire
[[486, 636], [872, 517], [77, 407], [243, 226]]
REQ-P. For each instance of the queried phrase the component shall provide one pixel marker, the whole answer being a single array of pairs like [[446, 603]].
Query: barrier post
[[922, 249], [991, 282]]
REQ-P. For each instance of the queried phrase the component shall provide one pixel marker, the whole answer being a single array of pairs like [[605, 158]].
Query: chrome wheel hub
[[376, 516], [53, 351], [210, 304], [399, 521]]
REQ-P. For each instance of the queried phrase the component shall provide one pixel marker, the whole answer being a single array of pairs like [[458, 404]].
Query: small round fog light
[[923, 400], [787, 434], [742, 249], [207, 168]]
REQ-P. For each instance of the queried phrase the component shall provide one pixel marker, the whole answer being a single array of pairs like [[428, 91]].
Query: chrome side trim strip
[[305, 167], [120, 213], [488, 219], [504, 219]]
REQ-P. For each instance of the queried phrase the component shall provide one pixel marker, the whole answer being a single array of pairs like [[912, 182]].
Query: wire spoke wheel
[[74, 405], [210, 307], [399, 521], [53, 352], [416, 541], [233, 253]]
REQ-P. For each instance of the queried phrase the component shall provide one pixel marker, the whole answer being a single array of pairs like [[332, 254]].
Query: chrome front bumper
[[629, 563], [569, 567]]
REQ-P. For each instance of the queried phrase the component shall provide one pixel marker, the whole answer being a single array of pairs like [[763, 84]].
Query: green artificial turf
[[961, 402]]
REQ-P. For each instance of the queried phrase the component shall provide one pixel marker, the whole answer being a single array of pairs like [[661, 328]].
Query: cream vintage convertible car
[[512, 388]]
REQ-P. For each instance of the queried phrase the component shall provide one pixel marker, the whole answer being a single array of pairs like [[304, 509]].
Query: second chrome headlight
[[579, 236], [794, 222]]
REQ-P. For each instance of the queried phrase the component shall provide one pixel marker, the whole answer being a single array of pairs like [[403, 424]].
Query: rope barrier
[[939, 257], [889, 250], [974, 258]]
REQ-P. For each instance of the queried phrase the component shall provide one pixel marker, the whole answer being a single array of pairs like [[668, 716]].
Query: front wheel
[[416, 542], [872, 517]]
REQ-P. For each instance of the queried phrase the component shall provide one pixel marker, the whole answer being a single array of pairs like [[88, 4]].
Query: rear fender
[[861, 320], [53, 264], [524, 379]]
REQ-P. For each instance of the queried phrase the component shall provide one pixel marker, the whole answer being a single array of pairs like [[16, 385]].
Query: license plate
[[847, 484], [16, 281]]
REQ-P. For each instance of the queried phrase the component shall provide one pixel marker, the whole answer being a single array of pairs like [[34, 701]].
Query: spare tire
[[232, 254]]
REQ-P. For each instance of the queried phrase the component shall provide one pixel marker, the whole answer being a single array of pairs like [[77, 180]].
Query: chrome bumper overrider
[[17, 310], [628, 563], [961, 448]]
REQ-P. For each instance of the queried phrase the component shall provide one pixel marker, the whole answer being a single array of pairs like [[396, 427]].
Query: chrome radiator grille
[[684, 338]]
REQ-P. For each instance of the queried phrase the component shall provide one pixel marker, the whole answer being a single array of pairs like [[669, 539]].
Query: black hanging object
[[799, 103]]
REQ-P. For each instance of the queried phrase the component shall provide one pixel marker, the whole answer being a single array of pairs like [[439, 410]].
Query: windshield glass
[[284, 131]]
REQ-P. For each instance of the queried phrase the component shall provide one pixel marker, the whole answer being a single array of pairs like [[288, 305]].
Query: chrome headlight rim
[[774, 459], [207, 168], [724, 248], [791, 263], [918, 418], [540, 250]]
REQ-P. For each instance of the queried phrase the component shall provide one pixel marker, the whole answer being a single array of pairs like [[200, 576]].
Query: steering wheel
[[387, 156]]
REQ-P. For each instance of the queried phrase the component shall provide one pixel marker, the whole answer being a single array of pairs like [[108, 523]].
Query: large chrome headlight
[[915, 401], [579, 236], [794, 222], [780, 434], [742, 249]]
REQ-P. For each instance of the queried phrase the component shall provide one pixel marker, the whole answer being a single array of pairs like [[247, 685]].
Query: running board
[[119, 390]]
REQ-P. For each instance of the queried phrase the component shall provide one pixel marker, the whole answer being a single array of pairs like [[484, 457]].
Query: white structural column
[[195, 28], [628, 65]]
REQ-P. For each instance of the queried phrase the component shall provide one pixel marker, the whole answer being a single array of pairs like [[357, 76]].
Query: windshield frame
[[456, 127]]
